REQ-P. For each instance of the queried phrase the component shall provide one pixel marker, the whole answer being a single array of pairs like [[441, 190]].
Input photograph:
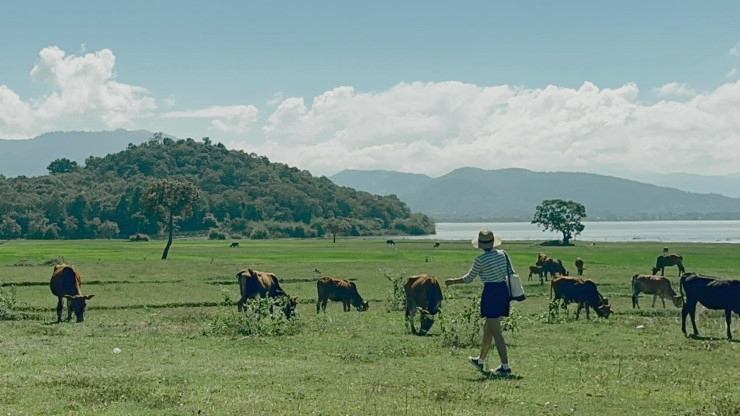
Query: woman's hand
[[449, 282]]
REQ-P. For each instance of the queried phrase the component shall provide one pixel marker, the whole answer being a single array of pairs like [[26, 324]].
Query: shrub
[[8, 303], [138, 237], [256, 320], [259, 232], [464, 328], [396, 299], [214, 234], [554, 314]]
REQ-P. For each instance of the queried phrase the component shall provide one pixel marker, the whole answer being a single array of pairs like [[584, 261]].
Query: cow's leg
[[345, 306], [69, 309], [318, 305], [655, 296], [323, 304], [635, 301], [410, 311], [684, 312], [690, 309], [662, 299], [578, 311], [728, 319], [60, 306]]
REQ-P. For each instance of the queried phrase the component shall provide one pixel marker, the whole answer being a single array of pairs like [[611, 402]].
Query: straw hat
[[486, 239]]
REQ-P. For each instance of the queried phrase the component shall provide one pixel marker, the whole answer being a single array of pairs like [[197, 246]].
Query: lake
[[667, 231]]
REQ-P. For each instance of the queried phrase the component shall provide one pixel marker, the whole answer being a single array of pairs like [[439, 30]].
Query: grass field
[[158, 314]]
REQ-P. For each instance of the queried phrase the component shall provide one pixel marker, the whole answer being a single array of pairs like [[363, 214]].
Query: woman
[[493, 267]]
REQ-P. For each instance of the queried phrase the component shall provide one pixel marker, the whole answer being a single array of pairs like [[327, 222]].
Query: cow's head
[[604, 310], [655, 270], [677, 301], [426, 319], [77, 304], [290, 305], [363, 306]]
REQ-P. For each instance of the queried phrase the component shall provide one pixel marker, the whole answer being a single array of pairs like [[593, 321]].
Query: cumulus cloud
[[732, 73], [735, 51], [675, 89], [79, 88], [231, 119], [438, 126]]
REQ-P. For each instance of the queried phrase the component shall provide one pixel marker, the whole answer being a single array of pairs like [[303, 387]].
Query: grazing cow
[[339, 290], [436, 244], [541, 257], [535, 270], [656, 286], [235, 244], [423, 294], [671, 259], [583, 292], [390, 243], [579, 266], [253, 283], [554, 267], [711, 292], [65, 284]]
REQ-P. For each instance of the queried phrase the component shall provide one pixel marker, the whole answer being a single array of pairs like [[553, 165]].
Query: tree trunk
[[566, 239], [335, 237], [169, 241]]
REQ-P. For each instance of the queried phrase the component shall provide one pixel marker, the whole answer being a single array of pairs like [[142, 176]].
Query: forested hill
[[241, 195], [471, 194]]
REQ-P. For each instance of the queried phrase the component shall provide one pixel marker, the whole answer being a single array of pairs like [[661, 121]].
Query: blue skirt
[[494, 303]]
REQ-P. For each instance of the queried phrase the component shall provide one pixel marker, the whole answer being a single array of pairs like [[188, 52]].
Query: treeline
[[241, 196]]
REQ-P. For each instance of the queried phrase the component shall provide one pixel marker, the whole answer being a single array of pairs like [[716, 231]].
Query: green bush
[[396, 299], [8, 303], [464, 328], [255, 321], [214, 234]]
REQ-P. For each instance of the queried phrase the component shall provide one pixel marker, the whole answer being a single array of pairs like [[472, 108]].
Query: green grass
[[340, 363]]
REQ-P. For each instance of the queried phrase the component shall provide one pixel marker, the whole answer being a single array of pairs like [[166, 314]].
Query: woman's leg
[[498, 336], [487, 339]]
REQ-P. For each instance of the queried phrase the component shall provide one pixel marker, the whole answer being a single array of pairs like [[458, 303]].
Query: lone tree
[[62, 165], [337, 225], [561, 216], [168, 201]]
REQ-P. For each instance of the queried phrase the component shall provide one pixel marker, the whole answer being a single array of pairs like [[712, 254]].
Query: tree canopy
[[167, 199], [242, 195], [561, 216]]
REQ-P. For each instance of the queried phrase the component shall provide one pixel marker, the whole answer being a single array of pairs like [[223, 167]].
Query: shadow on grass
[[492, 376], [704, 338]]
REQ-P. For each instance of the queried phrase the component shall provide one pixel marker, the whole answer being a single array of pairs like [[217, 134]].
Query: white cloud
[[434, 128], [169, 102], [81, 88], [675, 89], [276, 99], [231, 119], [732, 73], [735, 51]]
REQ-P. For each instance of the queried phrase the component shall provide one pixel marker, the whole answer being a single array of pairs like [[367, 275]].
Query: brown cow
[[423, 294], [579, 266], [711, 292], [339, 290], [671, 259], [656, 286], [554, 267], [65, 283], [583, 292], [253, 283]]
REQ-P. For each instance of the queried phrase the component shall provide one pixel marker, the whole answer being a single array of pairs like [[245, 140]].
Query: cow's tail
[[681, 283]]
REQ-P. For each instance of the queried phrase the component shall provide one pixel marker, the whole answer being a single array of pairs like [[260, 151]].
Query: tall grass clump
[[556, 313], [396, 299], [8, 302], [262, 317], [463, 328]]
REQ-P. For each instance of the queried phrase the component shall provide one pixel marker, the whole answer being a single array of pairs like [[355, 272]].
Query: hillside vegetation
[[471, 194], [241, 195]]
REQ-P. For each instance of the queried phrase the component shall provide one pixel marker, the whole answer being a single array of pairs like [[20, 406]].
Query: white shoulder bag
[[516, 290]]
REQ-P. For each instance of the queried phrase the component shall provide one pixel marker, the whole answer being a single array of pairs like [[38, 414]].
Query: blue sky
[[441, 85]]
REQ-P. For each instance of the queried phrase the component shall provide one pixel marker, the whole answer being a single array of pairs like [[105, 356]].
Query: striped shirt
[[491, 266]]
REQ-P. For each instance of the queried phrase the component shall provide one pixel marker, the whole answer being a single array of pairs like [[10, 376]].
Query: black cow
[[671, 259], [583, 292], [711, 292], [390, 243], [554, 267], [65, 284]]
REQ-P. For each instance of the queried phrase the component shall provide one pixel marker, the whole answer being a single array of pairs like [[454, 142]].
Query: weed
[[556, 313], [462, 329], [511, 323], [396, 300], [261, 317], [8, 303]]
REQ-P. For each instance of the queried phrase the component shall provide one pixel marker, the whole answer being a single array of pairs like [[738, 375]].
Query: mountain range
[[471, 194]]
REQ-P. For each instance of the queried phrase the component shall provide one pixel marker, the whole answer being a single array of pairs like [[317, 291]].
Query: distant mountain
[[382, 182], [470, 194], [728, 185], [31, 157]]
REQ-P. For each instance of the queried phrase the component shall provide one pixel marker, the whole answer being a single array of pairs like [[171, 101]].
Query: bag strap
[[509, 272]]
